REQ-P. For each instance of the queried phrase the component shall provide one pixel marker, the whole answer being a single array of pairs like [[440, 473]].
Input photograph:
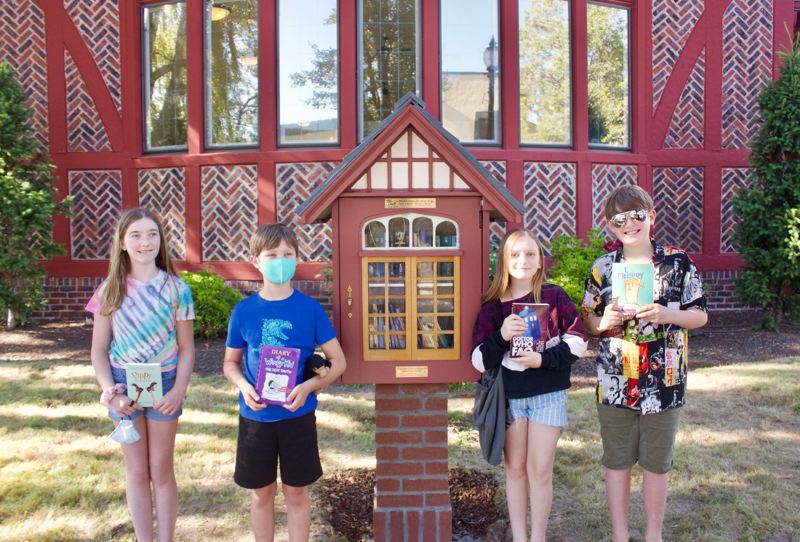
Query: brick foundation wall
[[68, 296]]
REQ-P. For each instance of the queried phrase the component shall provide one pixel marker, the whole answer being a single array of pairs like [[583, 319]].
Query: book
[[536, 316], [277, 373], [631, 286], [144, 383]]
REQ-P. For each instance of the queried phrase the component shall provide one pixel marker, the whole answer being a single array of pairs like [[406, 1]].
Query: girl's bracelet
[[109, 393]]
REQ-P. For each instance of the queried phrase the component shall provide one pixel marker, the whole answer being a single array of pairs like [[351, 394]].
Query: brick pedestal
[[412, 498]]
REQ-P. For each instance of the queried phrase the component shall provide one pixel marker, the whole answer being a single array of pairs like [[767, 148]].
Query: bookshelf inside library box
[[412, 308]]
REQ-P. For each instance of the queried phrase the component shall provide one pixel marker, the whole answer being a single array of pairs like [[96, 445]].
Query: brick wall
[[68, 296]]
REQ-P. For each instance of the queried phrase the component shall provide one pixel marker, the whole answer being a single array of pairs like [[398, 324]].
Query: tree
[[28, 201], [768, 233]]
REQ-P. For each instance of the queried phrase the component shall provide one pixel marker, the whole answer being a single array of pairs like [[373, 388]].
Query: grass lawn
[[737, 473]]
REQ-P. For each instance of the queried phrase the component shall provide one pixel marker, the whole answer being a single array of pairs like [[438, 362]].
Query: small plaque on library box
[[416, 371], [409, 203]]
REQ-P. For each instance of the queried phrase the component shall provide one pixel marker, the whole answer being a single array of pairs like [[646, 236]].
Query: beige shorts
[[630, 437]]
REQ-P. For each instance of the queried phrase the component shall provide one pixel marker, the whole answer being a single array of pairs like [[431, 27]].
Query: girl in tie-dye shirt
[[143, 314]]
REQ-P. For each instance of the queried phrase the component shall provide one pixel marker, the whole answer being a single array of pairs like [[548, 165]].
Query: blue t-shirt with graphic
[[297, 322]]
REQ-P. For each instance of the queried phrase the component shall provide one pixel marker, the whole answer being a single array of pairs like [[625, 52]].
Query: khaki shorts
[[629, 437]]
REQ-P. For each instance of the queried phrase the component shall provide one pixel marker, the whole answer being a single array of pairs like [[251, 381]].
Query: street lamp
[[490, 60]]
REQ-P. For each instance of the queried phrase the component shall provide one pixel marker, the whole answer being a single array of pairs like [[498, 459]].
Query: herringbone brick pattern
[[164, 191], [549, 199], [85, 130], [673, 21], [229, 211], [294, 184], [97, 201], [498, 170], [686, 128], [747, 61], [605, 178], [98, 23], [733, 179], [678, 196], [22, 45]]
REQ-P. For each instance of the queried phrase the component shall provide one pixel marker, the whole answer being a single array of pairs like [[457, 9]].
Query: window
[[309, 72], [608, 65], [411, 308], [410, 231], [231, 56], [389, 52], [544, 72], [165, 77], [470, 83]]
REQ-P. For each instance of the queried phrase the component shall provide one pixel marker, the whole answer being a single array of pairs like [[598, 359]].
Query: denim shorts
[[546, 409], [167, 383]]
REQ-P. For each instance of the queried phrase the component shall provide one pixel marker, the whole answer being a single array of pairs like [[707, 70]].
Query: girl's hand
[[513, 326], [297, 398], [170, 402], [655, 314], [251, 398], [124, 405], [531, 360], [612, 317]]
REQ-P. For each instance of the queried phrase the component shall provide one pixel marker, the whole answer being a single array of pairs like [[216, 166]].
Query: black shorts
[[261, 444]]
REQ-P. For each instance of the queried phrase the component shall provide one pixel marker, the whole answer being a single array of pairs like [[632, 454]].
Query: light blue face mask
[[279, 270]]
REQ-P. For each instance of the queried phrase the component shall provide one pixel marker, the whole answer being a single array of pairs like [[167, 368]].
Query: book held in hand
[[535, 338], [277, 373], [631, 286], [144, 383]]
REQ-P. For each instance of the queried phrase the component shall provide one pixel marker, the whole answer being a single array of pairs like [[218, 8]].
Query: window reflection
[[470, 69], [609, 91], [231, 55], [309, 71], [165, 76], [389, 57], [398, 232], [544, 71], [374, 235]]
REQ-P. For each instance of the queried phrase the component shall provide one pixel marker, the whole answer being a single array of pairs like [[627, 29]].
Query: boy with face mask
[[269, 434]]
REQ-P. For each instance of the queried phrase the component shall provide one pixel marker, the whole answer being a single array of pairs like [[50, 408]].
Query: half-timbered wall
[[696, 69]]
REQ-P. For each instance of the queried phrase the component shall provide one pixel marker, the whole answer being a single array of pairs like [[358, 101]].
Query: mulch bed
[[346, 498]]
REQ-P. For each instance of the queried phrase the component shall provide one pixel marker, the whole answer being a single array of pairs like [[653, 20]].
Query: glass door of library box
[[409, 278]]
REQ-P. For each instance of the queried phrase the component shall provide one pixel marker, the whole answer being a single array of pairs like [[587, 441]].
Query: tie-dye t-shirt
[[143, 328], [297, 321]]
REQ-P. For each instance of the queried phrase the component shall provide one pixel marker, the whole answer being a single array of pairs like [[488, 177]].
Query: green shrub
[[768, 233], [213, 302], [28, 202], [571, 260]]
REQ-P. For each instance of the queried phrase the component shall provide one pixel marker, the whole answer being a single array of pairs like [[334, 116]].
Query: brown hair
[[627, 198], [268, 236], [501, 281], [120, 265]]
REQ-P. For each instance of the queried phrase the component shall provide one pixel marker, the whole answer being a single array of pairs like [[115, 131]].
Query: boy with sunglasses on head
[[642, 361]]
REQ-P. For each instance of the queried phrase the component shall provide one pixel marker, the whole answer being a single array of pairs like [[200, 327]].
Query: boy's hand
[[297, 398], [170, 402], [655, 314], [513, 326], [531, 360], [251, 398], [612, 317]]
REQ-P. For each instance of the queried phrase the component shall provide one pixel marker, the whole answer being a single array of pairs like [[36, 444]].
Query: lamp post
[[490, 60]]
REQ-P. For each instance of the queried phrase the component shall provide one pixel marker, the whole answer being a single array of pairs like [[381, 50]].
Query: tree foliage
[[572, 260], [768, 233], [28, 201]]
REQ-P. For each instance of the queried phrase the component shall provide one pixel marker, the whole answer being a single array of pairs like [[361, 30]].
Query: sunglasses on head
[[620, 219]]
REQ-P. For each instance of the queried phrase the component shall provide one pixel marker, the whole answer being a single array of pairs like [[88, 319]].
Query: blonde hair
[[627, 198], [120, 264], [501, 282], [268, 236]]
